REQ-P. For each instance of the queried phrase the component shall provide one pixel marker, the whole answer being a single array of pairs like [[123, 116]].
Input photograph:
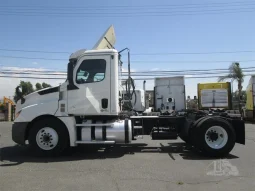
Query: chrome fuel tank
[[119, 131]]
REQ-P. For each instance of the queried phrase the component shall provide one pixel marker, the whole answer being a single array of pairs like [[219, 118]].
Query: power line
[[139, 13], [185, 77], [32, 77], [197, 61], [147, 54], [129, 11], [196, 74], [181, 53], [151, 73], [133, 74], [33, 58], [192, 70], [39, 51], [159, 7], [29, 77], [37, 72], [34, 73], [248, 10], [131, 6], [134, 61], [182, 73]]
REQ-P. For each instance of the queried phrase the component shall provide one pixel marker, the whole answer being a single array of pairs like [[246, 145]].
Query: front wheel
[[48, 137], [215, 137]]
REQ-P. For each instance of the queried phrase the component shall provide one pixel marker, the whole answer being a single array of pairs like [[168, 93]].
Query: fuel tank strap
[[93, 137], [126, 131], [104, 131]]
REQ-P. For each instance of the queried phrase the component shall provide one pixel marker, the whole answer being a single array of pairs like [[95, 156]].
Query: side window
[[98, 77], [90, 71]]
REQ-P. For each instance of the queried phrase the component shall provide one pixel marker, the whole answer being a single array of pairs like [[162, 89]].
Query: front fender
[[30, 112]]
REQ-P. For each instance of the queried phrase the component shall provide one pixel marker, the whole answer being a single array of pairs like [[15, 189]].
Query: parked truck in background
[[214, 95], [169, 93], [138, 101], [249, 109]]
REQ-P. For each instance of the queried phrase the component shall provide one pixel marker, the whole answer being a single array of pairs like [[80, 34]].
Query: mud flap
[[239, 127]]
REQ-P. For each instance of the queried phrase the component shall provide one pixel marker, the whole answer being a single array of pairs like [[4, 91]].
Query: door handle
[[104, 103]]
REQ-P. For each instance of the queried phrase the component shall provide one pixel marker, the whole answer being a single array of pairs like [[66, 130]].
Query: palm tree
[[235, 74]]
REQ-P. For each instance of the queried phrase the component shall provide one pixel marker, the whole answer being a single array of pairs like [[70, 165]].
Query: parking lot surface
[[143, 165]]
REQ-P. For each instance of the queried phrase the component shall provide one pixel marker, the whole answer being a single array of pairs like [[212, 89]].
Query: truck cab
[[93, 84], [91, 89]]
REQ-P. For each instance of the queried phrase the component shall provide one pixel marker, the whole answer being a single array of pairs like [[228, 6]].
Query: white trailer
[[87, 109], [138, 100], [170, 93]]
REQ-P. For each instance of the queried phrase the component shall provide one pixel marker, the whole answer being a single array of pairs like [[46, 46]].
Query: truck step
[[138, 137], [161, 135], [95, 125], [138, 127], [95, 142]]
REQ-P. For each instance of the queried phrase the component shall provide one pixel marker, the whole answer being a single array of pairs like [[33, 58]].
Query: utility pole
[[129, 75]]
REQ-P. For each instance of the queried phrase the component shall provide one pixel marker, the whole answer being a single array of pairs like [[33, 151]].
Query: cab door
[[91, 76]]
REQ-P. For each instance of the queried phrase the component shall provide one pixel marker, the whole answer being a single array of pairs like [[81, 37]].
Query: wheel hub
[[212, 135], [47, 138], [216, 137]]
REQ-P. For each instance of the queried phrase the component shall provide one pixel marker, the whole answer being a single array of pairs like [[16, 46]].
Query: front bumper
[[19, 132]]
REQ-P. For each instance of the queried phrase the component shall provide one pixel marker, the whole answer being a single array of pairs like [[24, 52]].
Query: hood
[[39, 97]]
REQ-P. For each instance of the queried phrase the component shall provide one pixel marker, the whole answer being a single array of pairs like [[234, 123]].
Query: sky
[[144, 26]]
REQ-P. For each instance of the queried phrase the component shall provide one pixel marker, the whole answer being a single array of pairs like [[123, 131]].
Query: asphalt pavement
[[143, 165]]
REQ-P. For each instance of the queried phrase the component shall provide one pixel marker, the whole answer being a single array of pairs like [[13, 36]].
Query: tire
[[198, 121], [193, 132], [184, 133], [48, 137], [215, 137]]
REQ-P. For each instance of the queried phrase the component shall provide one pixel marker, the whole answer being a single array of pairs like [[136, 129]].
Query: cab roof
[[82, 52]]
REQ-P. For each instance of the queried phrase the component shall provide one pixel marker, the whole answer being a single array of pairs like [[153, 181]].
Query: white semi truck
[[87, 109]]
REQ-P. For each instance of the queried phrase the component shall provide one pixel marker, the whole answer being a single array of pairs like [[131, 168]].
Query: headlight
[[17, 114]]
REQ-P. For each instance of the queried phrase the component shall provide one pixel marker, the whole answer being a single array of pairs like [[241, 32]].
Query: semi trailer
[[214, 95], [249, 109], [87, 109]]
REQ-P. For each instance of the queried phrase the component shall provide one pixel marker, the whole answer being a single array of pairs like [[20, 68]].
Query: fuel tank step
[[163, 133], [95, 142]]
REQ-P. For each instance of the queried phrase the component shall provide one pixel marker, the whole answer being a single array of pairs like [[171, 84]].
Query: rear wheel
[[48, 137], [215, 137], [193, 131]]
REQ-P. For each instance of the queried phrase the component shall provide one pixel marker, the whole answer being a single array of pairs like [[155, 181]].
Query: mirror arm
[[19, 94]]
